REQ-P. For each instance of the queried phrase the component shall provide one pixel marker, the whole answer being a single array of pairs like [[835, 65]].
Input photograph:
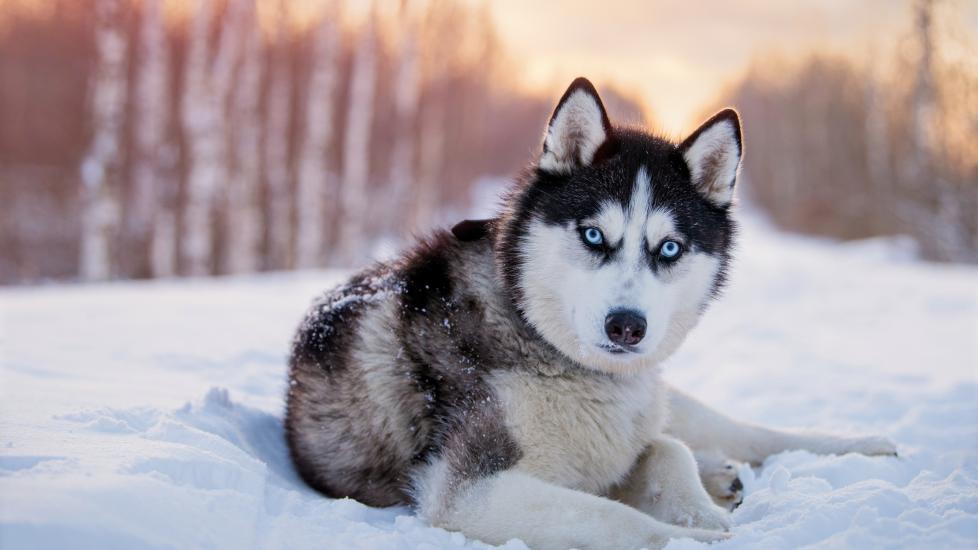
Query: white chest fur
[[582, 432]]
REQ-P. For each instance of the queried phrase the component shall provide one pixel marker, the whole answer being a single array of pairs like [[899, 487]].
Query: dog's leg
[[665, 484], [708, 431], [476, 485], [511, 504]]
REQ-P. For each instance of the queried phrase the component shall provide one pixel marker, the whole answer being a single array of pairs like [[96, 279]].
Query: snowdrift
[[148, 415]]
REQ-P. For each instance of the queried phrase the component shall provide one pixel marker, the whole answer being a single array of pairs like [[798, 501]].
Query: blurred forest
[[158, 138], [849, 146]]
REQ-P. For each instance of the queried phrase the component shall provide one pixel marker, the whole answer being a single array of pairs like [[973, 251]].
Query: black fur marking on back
[[425, 276], [441, 334], [434, 383]]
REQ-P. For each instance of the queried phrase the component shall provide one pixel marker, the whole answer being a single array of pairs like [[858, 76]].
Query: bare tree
[[407, 93], [196, 114], [443, 20], [922, 101], [931, 205], [244, 213], [150, 218], [207, 85], [316, 186], [276, 147], [356, 151], [842, 149], [210, 156], [945, 219], [100, 169], [877, 138]]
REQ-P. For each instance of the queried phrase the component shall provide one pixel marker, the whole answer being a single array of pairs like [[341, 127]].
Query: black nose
[[625, 328]]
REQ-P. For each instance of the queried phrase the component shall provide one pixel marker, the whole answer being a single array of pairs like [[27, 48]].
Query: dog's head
[[615, 240]]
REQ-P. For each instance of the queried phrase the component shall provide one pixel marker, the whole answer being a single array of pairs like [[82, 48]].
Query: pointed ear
[[713, 154], [579, 132]]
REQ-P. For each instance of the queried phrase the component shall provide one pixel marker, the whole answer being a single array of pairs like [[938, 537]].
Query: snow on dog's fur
[[504, 378]]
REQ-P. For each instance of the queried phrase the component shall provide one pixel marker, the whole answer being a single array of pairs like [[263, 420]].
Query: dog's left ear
[[579, 132], [471, 230], [713, 153]]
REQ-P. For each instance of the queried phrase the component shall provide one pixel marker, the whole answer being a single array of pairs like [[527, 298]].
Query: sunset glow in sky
[[676, 55], [673, 55]]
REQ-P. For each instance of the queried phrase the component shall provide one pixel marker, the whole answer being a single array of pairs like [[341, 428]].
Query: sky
[[676, 55]]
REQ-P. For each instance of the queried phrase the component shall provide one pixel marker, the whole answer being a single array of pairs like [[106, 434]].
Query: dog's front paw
[[701, 515], [722, 481], [873, 445]]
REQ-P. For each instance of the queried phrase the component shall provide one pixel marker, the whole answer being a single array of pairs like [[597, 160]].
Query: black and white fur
[[480, 376]]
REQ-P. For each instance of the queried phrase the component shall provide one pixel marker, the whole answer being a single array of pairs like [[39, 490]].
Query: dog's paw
[[699, 515], [721, 480], [873, 445]]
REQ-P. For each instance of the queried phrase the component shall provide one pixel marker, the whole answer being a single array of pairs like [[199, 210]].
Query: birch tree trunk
[[148, 216], [442, 23], [944, 220], [406, 96], [100, 169], [204, 117], [431, 158], [922, 100], [877, 140], [356, 152], [244, 213], [276, 149], [316, 182], [920, 205], [196, 240]]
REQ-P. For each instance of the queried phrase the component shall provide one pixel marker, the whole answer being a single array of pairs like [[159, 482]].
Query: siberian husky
[[504, 378]]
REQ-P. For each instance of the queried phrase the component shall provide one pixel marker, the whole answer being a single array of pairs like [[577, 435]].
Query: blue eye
[[670, 250], [593, 236]]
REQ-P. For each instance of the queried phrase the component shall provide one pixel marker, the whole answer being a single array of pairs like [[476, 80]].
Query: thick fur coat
[[504, 378]]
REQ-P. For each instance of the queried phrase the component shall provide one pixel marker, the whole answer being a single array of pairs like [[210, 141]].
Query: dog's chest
[[584, 432]]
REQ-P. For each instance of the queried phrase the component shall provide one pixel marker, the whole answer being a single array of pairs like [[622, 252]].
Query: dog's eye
[[670, 250], [592, 236]]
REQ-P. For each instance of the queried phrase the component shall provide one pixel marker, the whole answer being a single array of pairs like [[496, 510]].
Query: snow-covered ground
[[148, 414]]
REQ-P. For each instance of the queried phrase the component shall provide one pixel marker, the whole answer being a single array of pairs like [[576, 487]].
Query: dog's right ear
[[579, 132]]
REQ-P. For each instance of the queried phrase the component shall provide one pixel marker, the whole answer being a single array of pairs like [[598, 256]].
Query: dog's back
[[379, 365]]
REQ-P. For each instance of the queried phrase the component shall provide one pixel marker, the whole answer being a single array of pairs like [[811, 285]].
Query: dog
[[504, 378]]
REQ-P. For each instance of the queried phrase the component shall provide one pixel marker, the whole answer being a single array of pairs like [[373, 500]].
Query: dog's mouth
[[616, 349]]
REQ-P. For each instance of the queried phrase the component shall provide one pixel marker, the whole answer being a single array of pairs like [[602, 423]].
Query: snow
[[145, 415]]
